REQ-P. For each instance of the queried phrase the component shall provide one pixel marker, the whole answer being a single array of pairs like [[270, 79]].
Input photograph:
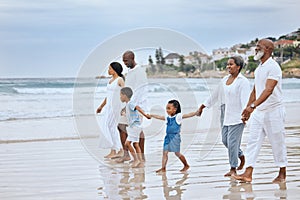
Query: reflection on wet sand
[[204, 178], [170, 189], [242, 190], [64, 170], [122, 182], [238, 190]]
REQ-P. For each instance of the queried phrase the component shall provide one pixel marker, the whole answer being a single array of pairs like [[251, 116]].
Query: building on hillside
[[283, 43], [172, 59], [197, 58], [220, 53], [234, 51]]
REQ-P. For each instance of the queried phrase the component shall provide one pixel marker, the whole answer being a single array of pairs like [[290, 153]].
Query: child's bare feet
[[135, 164], [185, 168], [131, 161], [142, 164], [118, 155], [123, 159], [161, 170], [242, 159]]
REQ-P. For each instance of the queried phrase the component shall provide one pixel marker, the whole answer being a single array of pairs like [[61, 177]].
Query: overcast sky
[[52, 38]]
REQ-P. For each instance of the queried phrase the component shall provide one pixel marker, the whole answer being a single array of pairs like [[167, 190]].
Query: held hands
[[123, 111], [200, 110], [246, 114], [148, 116], [99, 109]]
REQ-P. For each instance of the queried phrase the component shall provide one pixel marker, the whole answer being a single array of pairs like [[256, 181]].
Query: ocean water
[[26, 100]]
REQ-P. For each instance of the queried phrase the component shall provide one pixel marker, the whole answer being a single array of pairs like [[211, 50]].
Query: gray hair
[[239, 61]]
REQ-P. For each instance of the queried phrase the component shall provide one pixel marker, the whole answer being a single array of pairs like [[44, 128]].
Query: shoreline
[[47, 129]]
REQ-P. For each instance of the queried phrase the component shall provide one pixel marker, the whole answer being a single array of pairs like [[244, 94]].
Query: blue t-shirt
[[133, 117]]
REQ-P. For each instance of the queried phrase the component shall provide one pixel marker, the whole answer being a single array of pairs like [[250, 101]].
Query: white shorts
[[123, 119], [133, 133]]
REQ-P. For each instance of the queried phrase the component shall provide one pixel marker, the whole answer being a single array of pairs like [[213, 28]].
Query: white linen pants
[[270, 124]]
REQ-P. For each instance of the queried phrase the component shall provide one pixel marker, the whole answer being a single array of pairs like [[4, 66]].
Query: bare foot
[[142, 164], [130, 162], [110, 155], [242, 178], [135, 164], [231, 172], [161, 170], [279, 180], [281, 176], [118, 155], [242, 159], [185, 168], [123, 159], [115, 156]]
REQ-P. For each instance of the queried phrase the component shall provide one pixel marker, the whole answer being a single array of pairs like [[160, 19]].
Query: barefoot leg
[[142, 144], [184, 162], [161, 170], [242, 159], [123, 137], [163, 162], [138, 151], [133, 153]]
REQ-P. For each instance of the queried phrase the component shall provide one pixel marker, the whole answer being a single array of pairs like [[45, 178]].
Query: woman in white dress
[[109, 137]]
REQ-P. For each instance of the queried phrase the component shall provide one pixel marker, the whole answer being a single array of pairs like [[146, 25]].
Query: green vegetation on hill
[[295, 63]]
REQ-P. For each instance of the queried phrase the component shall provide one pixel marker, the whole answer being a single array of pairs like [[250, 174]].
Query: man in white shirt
[[136, 79], [268, 117]]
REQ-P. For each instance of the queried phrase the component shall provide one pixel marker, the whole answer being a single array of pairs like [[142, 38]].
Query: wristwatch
[[252, 106]]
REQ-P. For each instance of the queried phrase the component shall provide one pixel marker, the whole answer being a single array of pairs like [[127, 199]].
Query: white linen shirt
[[270, 69], [236, 96], [136, 79]]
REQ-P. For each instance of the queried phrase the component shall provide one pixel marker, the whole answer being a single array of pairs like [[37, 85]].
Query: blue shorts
[[172, 142]]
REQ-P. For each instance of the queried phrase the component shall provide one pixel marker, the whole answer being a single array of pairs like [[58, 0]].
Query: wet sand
[[64, 169]]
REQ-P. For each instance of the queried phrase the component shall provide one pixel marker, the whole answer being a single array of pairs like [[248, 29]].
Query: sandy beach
[[65, 169]]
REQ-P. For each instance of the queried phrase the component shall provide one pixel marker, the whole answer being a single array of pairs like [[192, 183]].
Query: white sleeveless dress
[[109, 136]]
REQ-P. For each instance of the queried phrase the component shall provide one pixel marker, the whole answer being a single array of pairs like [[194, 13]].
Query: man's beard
[[130, 65], [259, 55]]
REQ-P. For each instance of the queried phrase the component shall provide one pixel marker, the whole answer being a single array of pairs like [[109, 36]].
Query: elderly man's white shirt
[[268, 70]]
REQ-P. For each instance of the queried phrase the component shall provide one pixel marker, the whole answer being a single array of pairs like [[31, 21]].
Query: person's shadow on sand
[[177, 187]]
